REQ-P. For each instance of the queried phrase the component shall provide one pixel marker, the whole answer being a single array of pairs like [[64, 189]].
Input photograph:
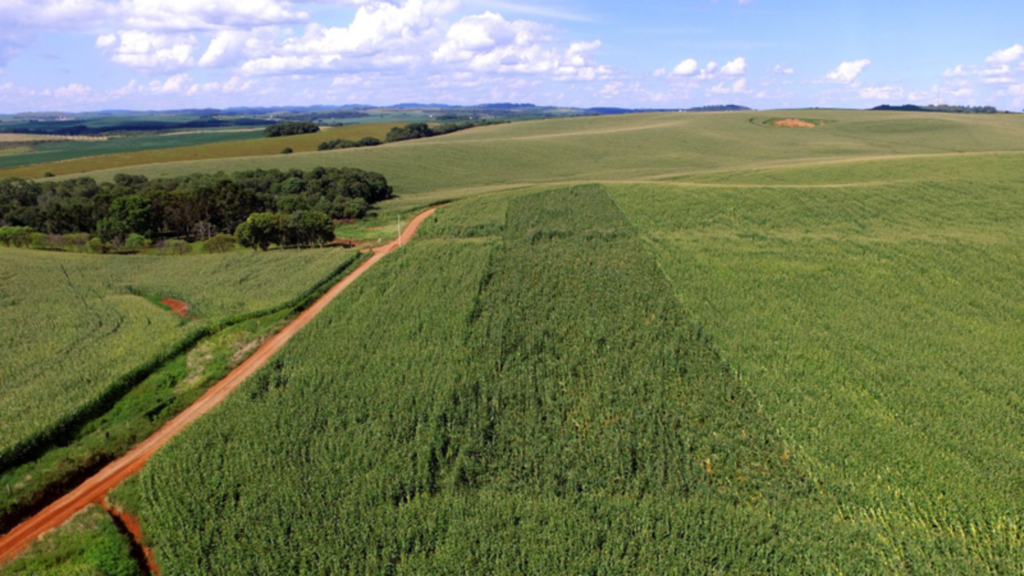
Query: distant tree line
[[196, 207], [290, 129], [422, 130], [106, 126], [342, 143], [939, 108]]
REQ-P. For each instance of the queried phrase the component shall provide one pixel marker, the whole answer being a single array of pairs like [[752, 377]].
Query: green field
[[61, 150], [73, 324], [120, 154], [665, 343]]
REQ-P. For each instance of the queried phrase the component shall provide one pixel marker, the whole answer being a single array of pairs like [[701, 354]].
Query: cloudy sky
[[75, 55]]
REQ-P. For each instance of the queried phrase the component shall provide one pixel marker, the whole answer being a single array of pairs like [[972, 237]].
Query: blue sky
[[75, 55]]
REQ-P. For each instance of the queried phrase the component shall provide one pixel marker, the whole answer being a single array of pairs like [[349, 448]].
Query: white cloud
[[55, 14], [1010, 54], [780, 69], [882, 93], [736, 67], [193, 15], [847, 72], [146, 50], [489, 43], [687, 67], [737, 87], [380, 35], [230, 47], [957, 71]]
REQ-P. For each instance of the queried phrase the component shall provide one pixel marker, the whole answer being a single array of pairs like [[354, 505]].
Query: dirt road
[[95, 489]]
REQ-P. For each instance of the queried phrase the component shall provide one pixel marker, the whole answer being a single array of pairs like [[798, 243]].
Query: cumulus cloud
[[780, 69], [380, 35], [737, 87], [490, 43], [690, 69], [847, 72], [687, 67], [1006, 56], [736, 67], [147, 50]]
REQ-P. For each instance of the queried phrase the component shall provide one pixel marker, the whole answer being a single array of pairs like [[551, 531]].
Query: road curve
[[95, 489]]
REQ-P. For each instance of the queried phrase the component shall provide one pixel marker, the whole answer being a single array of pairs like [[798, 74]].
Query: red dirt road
[[95, 489]]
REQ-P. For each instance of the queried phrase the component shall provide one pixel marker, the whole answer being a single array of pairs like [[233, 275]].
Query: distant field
[[636, 147], [73, 323], [119, 154]]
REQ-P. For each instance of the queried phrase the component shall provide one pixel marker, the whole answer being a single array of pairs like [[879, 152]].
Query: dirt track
[[95, 489]]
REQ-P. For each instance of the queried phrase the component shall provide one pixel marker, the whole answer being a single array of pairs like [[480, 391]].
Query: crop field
[[72, 323], [53, 154], [69, 158], [512, 392], [639, 344]]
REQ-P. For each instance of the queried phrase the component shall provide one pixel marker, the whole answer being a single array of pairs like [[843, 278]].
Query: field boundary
[[94, 489]]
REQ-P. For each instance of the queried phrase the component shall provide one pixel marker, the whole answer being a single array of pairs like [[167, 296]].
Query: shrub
[[286, 151], [175, 246], [220, 243], [95, 246], [136, 242]]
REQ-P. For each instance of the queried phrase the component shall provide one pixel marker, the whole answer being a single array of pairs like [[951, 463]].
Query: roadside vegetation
[[89, 545], [93, 331]]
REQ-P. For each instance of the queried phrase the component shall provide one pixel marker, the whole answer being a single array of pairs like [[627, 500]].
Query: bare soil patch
[[794, 123], [177, 306]]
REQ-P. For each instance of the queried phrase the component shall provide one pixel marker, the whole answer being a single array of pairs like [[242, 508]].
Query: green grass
[[90, 544], [73, 324]]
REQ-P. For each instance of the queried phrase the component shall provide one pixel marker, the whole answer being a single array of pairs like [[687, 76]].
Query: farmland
[[74, 323], [68, 157], [638, 344]]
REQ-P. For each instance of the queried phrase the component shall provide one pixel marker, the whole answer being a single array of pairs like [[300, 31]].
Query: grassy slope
[[72, 323], [123, 154]]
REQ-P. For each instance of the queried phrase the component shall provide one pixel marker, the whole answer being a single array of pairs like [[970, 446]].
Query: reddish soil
[[131, 523], [96, 488], [794, 123], [177, 306]]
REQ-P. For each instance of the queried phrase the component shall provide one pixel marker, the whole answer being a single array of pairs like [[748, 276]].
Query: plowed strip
[[95, 489]]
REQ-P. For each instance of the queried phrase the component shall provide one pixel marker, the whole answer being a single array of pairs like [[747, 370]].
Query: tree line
[[290, 129], [195, 207]]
